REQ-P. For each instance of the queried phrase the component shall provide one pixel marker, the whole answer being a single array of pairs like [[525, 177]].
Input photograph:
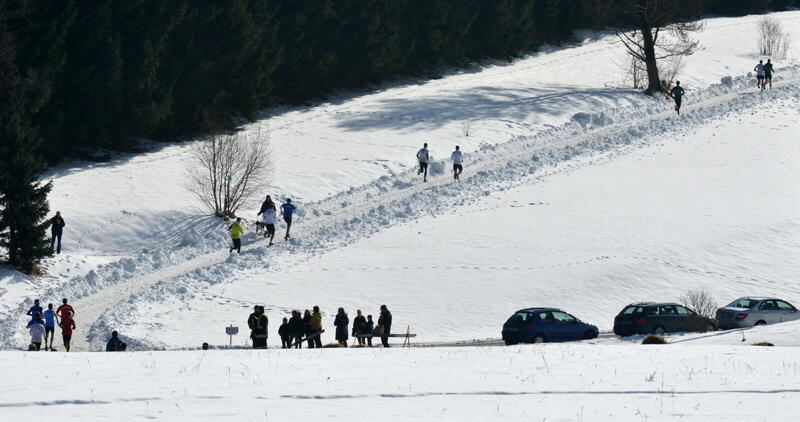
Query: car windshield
[[743, 303], [632, 310]]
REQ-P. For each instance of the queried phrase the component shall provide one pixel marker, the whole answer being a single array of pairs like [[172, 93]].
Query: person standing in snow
[[296, 329], [268, 217], [65, 308], [458, 159], [258, 323], [316, 327], [49, 326], [284, 331], [768, 69], [35, 309], [369, 327], [115, 344], [359, 327], [56, 230], [287, 210], [759, 69], [424, 157], [36, 328], [236, 231], [385, 325], [341, 322], [307, 328], [677, 93], [67, 324]]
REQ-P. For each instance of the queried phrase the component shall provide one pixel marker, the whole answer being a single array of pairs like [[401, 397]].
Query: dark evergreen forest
[[100, 73]]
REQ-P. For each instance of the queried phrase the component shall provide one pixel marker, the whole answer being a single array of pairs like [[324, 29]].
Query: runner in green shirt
[[236, 235]]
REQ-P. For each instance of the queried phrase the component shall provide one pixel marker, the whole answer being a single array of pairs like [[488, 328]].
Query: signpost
[[231, 331]]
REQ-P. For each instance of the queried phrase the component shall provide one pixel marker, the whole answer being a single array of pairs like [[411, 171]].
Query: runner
[[423, 156], [768, 69], [36, 328], [35, 309], [266, 204], [64, 308], [56, 230], [759, 69], [677, 94], [458, 159], [287, 210], [67, 324], [49, 326], [236, 231], [268, 217]]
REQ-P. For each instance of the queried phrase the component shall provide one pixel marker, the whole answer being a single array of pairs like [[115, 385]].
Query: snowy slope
[[136, 243]]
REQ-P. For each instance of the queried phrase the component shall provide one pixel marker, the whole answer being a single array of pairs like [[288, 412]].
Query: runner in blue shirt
[[287, 210], [49, 326], [36, 308]]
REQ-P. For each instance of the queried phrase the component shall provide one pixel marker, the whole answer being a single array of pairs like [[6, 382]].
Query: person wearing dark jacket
[[341, 322], [307, 328], [266, 205], [286, 338], [296, 329], [359, 327], [385, 324], [316, 327], [259, 328], [252, 320], [370, 327], [56, 230], [115, 344]]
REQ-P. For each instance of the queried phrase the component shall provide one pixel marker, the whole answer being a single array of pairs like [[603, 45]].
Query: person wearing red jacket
[[67, 324], [64, 309]]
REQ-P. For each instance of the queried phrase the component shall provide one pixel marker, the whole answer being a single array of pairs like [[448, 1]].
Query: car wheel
[[510, 343], [659, 331], [539, 339], [589, 334], [762, 322]]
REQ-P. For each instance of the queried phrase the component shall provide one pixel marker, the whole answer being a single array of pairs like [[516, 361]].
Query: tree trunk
[[653, 79]]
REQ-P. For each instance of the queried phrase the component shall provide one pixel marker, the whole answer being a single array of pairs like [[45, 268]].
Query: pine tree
[[23, 199]]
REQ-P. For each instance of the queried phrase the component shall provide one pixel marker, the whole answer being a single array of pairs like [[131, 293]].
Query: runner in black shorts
[[768, 69]]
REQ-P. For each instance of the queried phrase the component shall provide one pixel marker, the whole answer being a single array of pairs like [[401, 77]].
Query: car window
[[784, 306], [767, 305], [653, 310], [682, 310], [520, 317], [563, 317], [743, 303], [630, 310], [547, 316], [667, 310]]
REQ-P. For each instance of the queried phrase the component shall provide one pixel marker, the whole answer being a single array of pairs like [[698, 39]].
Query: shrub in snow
[[654, 340], [764, 343], [435, 169], [727, 81]]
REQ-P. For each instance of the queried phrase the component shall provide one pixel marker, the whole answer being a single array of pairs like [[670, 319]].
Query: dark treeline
[[103, 72]]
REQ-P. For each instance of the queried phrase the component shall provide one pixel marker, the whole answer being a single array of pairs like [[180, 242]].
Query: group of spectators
[[308, 327]]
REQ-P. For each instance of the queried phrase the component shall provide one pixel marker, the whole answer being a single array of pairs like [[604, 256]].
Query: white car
[[750, 311]]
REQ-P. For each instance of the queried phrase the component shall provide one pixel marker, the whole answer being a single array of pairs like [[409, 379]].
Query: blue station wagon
[[540, 325]]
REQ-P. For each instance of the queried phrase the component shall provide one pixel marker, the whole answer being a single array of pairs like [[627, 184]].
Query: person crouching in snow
[[115, 344], [268, 217], [236, 231]]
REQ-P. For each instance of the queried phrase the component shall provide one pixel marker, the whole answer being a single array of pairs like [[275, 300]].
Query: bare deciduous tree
[[226, 170], [772, 39], [466, 125], [701, 301], [656, 38]]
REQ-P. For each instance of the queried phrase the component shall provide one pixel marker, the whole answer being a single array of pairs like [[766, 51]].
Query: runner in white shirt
[[268, 217], [458, 159], [759, 69], [423, 156]]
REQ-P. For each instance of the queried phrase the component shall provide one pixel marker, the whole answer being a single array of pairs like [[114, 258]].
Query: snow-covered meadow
[[576, 194]]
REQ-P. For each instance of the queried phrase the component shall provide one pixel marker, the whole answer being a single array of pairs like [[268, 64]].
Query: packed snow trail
[[342, 218]]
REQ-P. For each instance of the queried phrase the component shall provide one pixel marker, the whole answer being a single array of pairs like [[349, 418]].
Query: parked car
[[660, 318], [540, 325], [750, 311]]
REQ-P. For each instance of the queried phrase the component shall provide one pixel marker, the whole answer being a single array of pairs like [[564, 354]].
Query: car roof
[[539, 309], [758, 298], [645, 304]]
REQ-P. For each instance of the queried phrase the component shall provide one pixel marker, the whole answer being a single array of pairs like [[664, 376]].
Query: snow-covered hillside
[[575, 194]]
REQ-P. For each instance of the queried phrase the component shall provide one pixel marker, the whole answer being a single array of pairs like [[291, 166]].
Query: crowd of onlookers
[[308, 328]]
